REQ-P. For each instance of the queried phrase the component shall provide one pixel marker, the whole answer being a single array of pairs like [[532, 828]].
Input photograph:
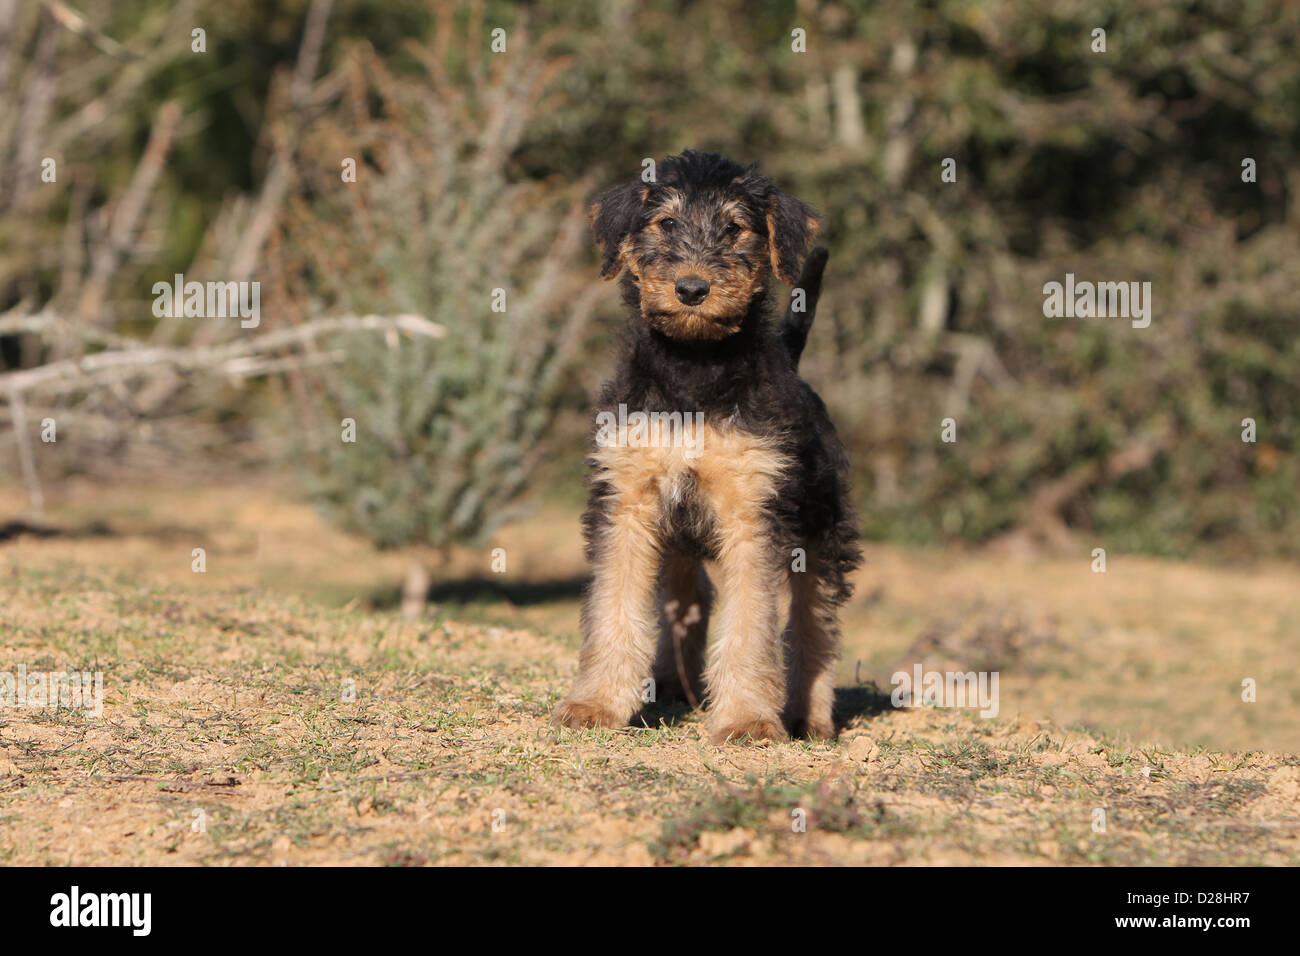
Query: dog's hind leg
[[812, 651], [685, 598]]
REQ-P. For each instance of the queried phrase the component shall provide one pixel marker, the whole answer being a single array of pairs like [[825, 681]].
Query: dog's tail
[[795, 324]]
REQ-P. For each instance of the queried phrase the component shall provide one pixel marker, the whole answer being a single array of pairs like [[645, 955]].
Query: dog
[[679, 542]]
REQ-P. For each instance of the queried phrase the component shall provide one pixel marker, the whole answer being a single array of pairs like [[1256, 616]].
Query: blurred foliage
[[449, 433], [1115, 166]]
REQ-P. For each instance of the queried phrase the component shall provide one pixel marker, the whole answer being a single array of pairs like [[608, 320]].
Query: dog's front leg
[[618, 617], [745, 672], [738, 477]]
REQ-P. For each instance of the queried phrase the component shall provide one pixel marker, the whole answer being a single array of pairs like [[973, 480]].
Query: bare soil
[[276, 709]]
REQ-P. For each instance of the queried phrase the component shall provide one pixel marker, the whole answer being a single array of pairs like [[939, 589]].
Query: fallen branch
[[1041, 520], [50, 326], [102, 368], [111, 369]]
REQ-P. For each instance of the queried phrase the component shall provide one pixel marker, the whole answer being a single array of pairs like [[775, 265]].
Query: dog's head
[[700, 241]]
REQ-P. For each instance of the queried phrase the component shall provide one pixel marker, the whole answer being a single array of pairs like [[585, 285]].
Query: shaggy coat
[[761, 508]]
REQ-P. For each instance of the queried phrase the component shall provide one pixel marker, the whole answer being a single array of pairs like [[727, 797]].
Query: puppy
[[722, 489]]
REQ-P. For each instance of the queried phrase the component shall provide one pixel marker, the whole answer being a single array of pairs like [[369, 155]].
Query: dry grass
[[225, 694]]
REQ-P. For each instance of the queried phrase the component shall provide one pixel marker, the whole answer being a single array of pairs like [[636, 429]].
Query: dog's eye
[[733, 229], [668, 223]]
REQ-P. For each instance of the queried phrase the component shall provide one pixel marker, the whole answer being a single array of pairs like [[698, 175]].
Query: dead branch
[[103, 368], [9, 41], [1041, 522], [26, 460], [74, 21], [276, 186], [109, 371], [126, 216], [49, 325], [39, 87]]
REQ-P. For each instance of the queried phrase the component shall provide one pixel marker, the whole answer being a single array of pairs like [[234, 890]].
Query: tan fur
[[730, 291], [735, 475], [812, 651], [714, 318], [618, 648], [811, 224], [717, 316], [610, 271]]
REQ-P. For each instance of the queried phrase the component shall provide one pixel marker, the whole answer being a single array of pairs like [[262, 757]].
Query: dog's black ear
[[613, 215], [795, 325], [791, 225]]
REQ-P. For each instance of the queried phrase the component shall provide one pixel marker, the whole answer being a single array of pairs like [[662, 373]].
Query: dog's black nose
[[692, 290]]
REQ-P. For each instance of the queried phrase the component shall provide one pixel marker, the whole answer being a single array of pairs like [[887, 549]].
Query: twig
[[75, 22], [168, 784], [103, 367], [39, 87], [49, 325], [276, 185], [127, 214], [26, 460]]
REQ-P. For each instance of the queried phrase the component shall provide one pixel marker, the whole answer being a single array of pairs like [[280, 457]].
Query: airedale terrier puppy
[[744, 473]]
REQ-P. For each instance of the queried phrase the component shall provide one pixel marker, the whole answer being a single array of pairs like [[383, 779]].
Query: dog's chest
[[693, 485]]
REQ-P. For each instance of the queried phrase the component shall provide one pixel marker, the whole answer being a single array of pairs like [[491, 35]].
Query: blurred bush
[[1116, 166], [1122, 165], [449, 432]]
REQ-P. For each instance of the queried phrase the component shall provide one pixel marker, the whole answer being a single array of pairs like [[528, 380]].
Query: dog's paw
[[578, 714], [750, 730], [819, 728]]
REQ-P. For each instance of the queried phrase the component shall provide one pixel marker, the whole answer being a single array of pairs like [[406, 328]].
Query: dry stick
[[49, 324], [227, 359], [313, 38], [97, 121], [1041, 516], [167, 782], [8, 40], [250, 366], [75, 22], [71, 259], [271, 198], [40, 84], [127, 214], [680, 628], [682, 675], [277, 178], [26, 461], [130, 360]]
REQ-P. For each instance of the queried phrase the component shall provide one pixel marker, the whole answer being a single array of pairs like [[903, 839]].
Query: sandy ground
[[275, 709]]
